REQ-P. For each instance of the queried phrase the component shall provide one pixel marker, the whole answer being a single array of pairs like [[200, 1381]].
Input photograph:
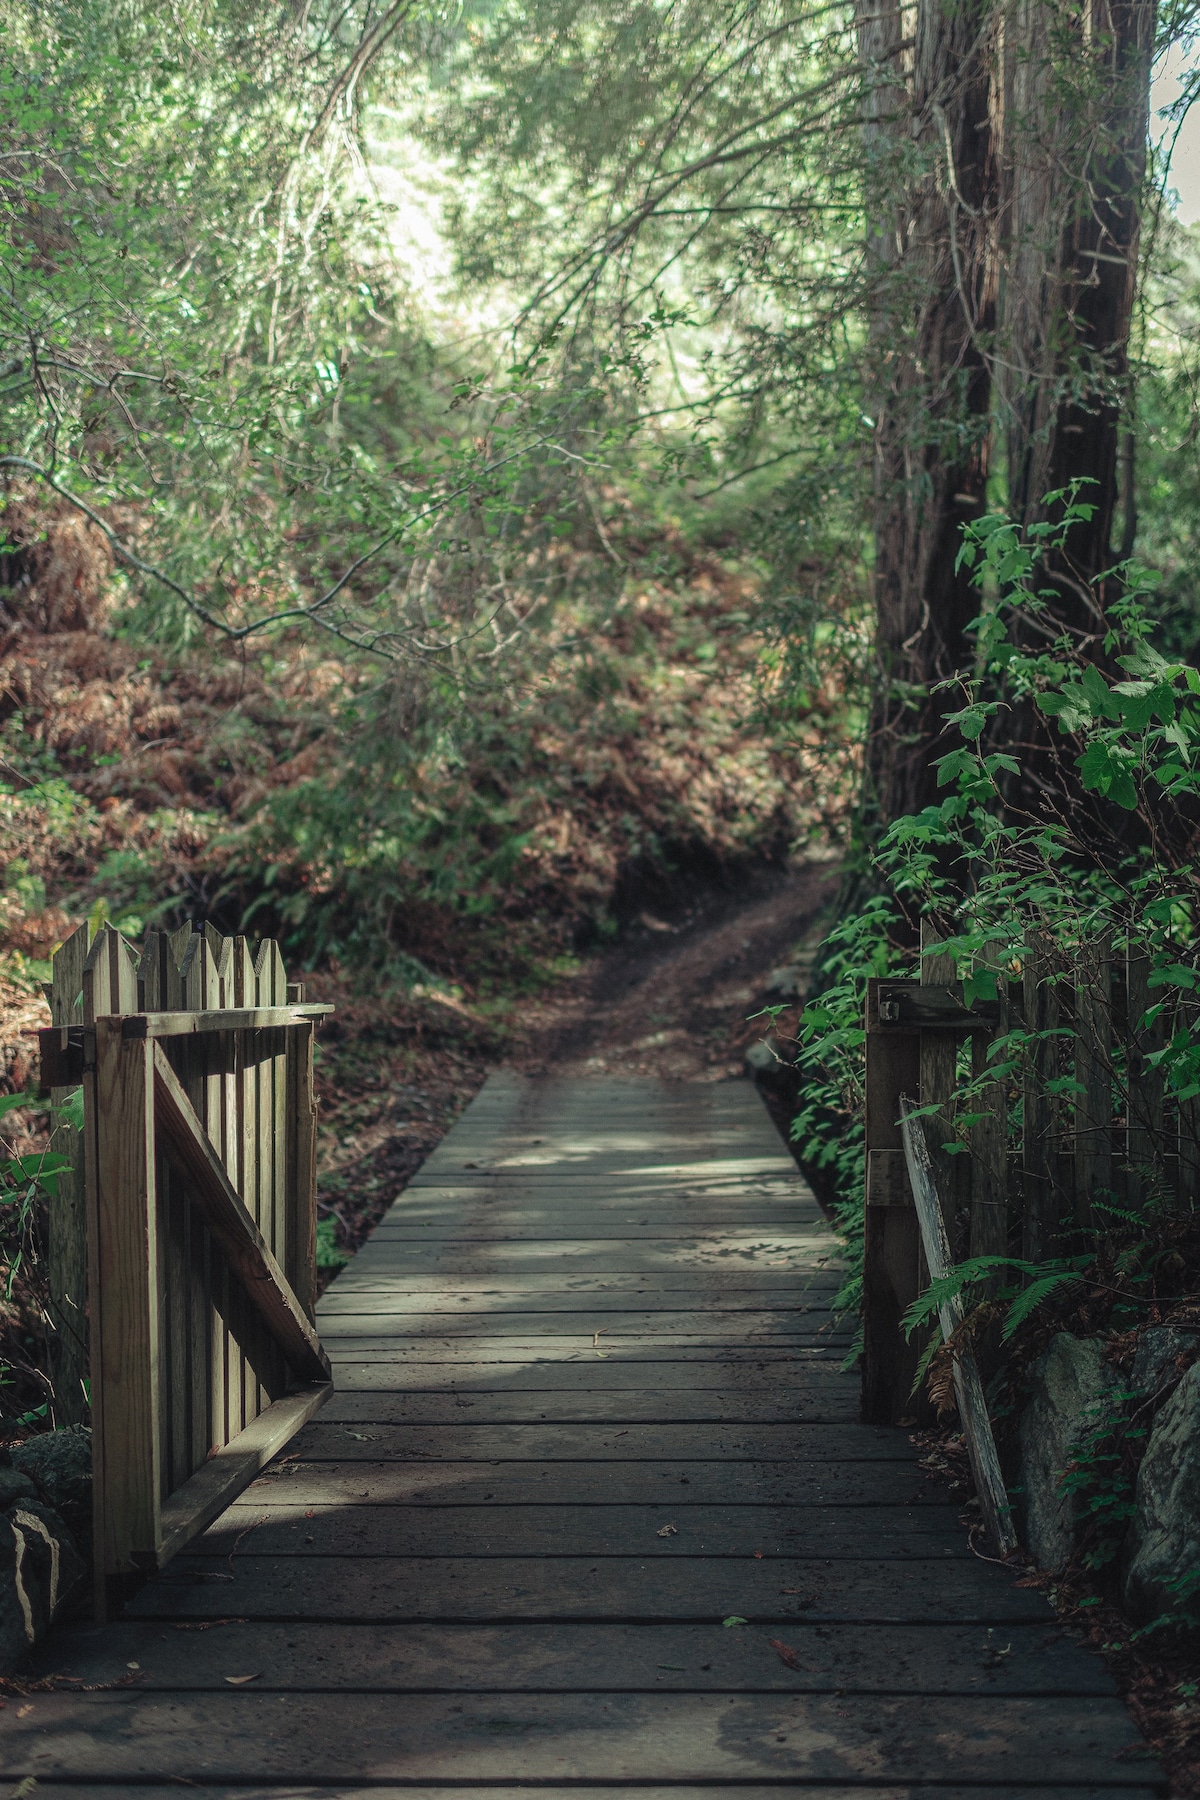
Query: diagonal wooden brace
[[214, 1195]]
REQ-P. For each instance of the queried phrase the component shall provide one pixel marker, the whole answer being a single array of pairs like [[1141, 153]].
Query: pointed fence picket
[[188, 1219]]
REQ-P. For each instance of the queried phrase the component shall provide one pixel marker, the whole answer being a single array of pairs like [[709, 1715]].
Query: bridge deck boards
[[589, 1409]]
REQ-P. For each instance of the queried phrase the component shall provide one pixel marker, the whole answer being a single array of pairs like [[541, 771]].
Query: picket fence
[[182, 1239], [1085, 1123]]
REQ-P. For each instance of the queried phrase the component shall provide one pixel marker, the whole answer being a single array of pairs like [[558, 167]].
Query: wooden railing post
[[891, 1234], [1042, 1194], [67, 1213], [939, 1077], [123, 1245], [1093, 1073], [301, 1161]]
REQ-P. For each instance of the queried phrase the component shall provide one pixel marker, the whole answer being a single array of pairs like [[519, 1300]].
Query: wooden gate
[[194, 1215], [1083, 1118]]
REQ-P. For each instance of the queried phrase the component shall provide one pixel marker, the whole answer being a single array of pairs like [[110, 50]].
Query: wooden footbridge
[[589, 1512]]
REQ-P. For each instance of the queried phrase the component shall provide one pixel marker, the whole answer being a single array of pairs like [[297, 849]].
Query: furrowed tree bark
[[933, 278], [1070, 126], [1072, 112]]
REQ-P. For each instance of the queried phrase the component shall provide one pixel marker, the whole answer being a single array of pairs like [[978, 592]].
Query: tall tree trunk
[[1071, 115], [1071, 123], [932, 269]]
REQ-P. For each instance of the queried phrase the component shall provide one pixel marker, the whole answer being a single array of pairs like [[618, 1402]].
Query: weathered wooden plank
[[891, 1241], [968, 1387], [775, 1383], [1145, 1140], [232, 1228], [933, 1006], [386, 1274], [300, 1207], [465, 1441], [159, 987], [221, 1381], [580, 1587], [597, 1791], [143, 1024], [1041, 1138], [582, 1658], [623, 1248], [735, 1532], [988, 1234], [200, 1499], [739, 1326], [170, 953], [681, 1737], [66, 1249], [763, 1184], [833, 1402], [806, 1292], [645, 1351], [350, 1482], [1094, 1075], [125, 1311], [938, 1077], [269, 989]]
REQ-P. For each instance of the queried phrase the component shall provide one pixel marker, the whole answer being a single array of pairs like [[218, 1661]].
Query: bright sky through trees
[[1185, 158]]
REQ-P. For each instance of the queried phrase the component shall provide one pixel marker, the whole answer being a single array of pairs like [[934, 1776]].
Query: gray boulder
[[1164, 1540], [59, 1464], [40, 1571], [14, 1487], [1161, 1352], [1069, 1382]]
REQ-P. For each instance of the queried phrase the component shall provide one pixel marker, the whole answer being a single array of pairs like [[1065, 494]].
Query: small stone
[[760, 1058], [784, 981], [1068, 1383], [1158, 1351], [1164, 1540]]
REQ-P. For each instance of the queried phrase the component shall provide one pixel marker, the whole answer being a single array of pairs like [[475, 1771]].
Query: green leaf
[[1032, 1297], [1176, 975], [971, 721], [44, 1169], [979, 985], [330, 1254], [1070, 707], [1107, 769], [1095, 689], [957, 763], [734, 1619], [70, 1110]]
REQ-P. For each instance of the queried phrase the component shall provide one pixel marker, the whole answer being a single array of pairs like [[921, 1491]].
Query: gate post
[[124, 1304], [891, 1235]]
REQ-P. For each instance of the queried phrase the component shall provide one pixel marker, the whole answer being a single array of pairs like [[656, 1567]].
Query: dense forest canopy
[[538, 442]]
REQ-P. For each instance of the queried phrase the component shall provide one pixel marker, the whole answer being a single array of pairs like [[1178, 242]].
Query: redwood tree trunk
[[1071, 116], [932, 270]]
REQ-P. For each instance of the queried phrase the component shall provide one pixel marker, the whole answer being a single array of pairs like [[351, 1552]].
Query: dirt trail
[[672, 998]]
